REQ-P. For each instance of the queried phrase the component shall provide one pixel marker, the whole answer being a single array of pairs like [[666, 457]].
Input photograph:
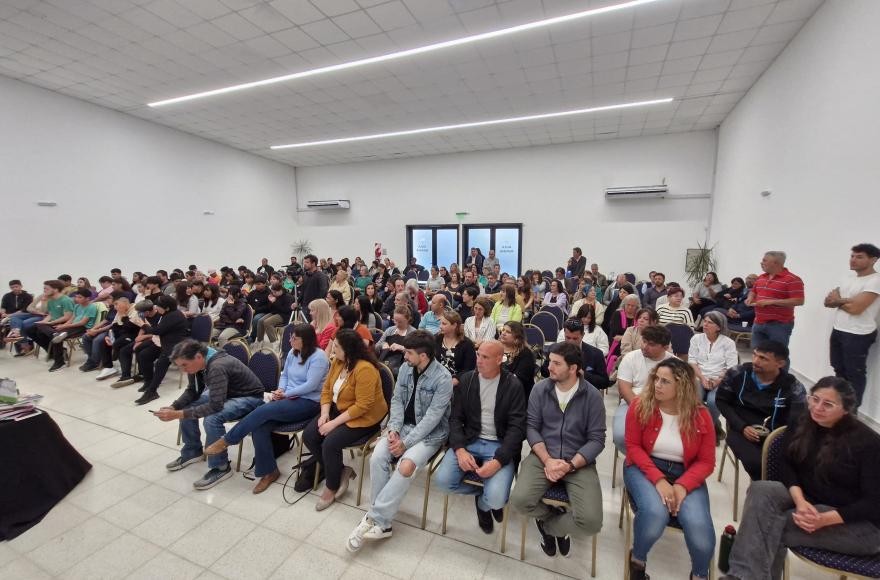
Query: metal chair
[[239, 349], [630, 509], [285, 342], [202, 328], [727, 453], [556, 496], [534, 338], [376, 333], [266, 365], [556, 312], [471, 478]]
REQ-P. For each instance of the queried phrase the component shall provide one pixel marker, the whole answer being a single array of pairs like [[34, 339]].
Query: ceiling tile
[[391, 15]]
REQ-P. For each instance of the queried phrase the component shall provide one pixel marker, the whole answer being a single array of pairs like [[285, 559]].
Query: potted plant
[[698, 262]]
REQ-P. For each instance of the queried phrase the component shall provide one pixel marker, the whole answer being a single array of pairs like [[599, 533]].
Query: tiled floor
[[130, 518]]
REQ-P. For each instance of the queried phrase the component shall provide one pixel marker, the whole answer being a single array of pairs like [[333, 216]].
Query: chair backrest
[[409, 275], [387, 382], [267, 367], [239, 349], [423, 275], [571, 285], [681, 337], [101, 312], [771, 456], [285, 342], [557, 313], [548, 324], [202, 328], [547, 275], [534, 337], [377, 334], [248, 318]]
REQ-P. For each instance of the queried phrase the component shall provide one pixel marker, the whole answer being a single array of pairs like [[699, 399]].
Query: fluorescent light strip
[[405, 53], [474, 124]]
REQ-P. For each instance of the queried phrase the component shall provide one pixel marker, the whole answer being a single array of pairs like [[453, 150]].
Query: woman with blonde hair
[[322, 321], [670, 452], [341, 285]]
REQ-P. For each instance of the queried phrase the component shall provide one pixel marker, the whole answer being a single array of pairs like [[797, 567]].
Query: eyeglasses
[[826, 404]]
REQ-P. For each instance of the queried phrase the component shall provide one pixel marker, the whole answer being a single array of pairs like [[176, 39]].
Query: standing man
[[486, 432], [855, 317], [265, 269], [598, 278], [578, 263], [774, 296], [475, 259], [490, 263], [418, 425], [565, 427], [221, 389], [315, 283]]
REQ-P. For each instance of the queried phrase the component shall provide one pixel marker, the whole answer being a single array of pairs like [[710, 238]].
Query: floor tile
[[208, 541], [109, 493], [168, 525], [62, 518], [166, 566], [255, 556], [311, 562], [23, 569], [139, 507], [470, 562], [65, 551], [115, 560]]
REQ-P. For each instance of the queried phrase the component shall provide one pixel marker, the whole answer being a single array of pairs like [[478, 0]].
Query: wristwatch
[[571, 467]]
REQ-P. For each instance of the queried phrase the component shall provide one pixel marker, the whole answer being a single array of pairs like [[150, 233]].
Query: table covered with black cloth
[[38, 467]]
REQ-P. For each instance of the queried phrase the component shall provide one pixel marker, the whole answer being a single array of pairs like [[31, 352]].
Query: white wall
[[130, 193], [808, 131], [557, 192]]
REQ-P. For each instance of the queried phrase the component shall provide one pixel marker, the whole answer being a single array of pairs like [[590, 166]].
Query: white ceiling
[[123, 54]]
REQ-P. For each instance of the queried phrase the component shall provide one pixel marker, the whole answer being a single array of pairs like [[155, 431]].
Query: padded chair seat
[[868, 566], [292, 427], [556, 492]]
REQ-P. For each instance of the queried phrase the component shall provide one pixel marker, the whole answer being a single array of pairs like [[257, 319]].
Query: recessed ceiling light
[[475, 124], [406, 53]]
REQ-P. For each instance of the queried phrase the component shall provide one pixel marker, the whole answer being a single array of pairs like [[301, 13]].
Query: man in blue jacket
[[418, 426], [566, 430]]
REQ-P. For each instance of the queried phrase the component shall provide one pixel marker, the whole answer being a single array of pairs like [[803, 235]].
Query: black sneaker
[[213, 477], [498, 515], [548, 542], [57, 366], [137, 378], [147, 397], [484, 519], [88, 367], [564, 544]]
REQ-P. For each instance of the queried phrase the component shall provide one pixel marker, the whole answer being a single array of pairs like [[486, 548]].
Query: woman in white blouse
[[480, 326], [712, 353], [593, 333]]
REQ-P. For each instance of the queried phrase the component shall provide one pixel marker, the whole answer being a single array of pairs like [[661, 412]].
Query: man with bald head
[[486, 431], [431, 320]]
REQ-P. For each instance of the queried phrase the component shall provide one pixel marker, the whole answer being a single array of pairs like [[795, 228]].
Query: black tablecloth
[[38, 467]]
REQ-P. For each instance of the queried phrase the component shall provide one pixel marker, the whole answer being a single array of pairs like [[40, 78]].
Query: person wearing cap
[[159, 335], [125, 353]]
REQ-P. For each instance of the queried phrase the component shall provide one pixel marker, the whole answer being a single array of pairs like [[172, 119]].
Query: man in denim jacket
[[418, 426]]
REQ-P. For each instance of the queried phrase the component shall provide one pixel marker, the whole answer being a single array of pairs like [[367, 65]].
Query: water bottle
[[727, 538]]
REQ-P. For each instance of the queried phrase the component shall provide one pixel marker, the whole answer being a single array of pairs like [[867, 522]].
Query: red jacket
[[699, 450]]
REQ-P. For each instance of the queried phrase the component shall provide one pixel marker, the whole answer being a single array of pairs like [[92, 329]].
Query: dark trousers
[[748, 453], [125, 355], [153, 364], [111, 353], [328, 450], [849, 357], [42, 334]]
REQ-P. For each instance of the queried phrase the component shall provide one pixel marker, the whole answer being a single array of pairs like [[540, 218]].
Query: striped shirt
[[781, 286], [666, 314]]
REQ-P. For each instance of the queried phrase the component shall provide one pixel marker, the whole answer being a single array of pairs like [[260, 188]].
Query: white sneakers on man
[[367, 529], [106, 374]]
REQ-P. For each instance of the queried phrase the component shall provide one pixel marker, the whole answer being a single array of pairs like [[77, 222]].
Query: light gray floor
[[130, 518]]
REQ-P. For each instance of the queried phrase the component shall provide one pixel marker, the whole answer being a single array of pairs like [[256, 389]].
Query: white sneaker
[[356, 538], [377, 533], [106, 374]]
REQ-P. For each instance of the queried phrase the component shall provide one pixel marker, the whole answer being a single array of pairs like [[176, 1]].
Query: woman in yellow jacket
[[507, 309], [352, 408]]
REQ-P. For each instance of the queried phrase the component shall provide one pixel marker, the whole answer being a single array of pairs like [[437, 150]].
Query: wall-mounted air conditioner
[[642, 192], [329, 204]]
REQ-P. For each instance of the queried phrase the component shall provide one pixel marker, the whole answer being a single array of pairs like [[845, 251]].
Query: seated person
[[486, 431], [19, 323], [633, 373], [220, 389], [121, 333], [618, 321], [758, 394], [322, 320], [367, 316], [673, 312], [656, 290], [352, 408], [363, 280], [593, 333], [67, 285], [566, 455], [556, 297], [50, 334], [431, 320], [592, 359], [15, 301], [341, 284], [506, 309], [93, 340], [480, 326], [632, 336], [470, 281], [454, 350], [258, 299], [493, 284], [732, 303], [518, 357], [297, 399], [211, 302], [347, 317], [418, 426], [590, 298], [703, 298], [187, 302], [435, 282], [416, 296], [670, 451], [230, 322], [712, 353], [465, 307], [828, 496], [280, 308], [167, 328]]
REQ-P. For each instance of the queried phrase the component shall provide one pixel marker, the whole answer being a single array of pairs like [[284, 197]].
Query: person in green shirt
[[59, 308], [83, 317]]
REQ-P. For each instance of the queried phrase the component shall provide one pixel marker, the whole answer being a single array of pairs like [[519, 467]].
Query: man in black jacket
[[258, 299], [760, 393], [486, 431], [315, 283], [153, 355], [593, 360]]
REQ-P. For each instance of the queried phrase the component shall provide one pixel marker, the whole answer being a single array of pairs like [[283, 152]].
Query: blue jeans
[[708, 396], [263, 420], [255, 325], [94, 346], [778, 331], [652, 517], [23, 320], [495, 491], [215, 427], [618, 426]]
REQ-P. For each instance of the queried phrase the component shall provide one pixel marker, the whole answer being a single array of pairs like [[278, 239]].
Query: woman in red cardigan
[[670, 451]]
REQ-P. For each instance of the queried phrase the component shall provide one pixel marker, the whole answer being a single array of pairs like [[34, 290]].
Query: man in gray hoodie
[[566, 431], [221, 389]]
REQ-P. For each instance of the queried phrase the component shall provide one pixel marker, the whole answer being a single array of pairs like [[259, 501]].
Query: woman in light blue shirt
[[296, 400]]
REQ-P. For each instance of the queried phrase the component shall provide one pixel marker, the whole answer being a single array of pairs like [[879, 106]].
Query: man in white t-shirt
[[633, 373], [855, 317]]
